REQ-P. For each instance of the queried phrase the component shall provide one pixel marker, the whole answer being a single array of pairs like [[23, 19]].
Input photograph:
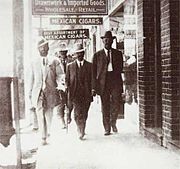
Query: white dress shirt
[[110, 67], [78, 62], [44, 69]]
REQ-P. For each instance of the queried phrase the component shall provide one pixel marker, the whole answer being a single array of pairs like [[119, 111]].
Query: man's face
[[43, 50], [107, 42], [62, 54], [79, 56]]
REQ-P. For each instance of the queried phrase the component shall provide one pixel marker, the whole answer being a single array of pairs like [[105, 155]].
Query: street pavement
[[125, 150]]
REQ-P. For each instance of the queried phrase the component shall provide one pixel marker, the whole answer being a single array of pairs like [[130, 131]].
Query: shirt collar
[[106, 51], [44, 58], [78, 62]]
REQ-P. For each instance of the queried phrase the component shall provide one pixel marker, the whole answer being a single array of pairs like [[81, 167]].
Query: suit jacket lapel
[[104, 59], [62, 66], [112, 58], [47, 68], [74, 70], [38, 67]]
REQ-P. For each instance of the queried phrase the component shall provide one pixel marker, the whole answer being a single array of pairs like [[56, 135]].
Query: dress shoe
[[107, 133], [35, 129], [81, 137], [114, 128], [64, 127]]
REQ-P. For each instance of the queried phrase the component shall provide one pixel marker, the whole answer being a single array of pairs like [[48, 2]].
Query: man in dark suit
[[107, 81], [78, 80]]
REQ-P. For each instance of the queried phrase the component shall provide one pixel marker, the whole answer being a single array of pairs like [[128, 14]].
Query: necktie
[[108, 56], [80, 72], [44, 62], [64, 65], [43, 73]]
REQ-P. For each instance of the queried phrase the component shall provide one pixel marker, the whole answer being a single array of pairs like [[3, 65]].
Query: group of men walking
[[73, 83]]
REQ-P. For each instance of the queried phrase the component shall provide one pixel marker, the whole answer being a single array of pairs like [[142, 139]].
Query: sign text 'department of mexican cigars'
[[66, 34], [66, 7]]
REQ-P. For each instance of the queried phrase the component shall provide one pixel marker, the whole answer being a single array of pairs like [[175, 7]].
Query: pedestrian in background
[[78, 80], [107, 81], [130, 81], [60, 63], [43, 93]]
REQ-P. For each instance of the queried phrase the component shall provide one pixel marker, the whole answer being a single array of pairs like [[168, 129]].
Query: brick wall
[[159, 69], [170, 48], [146, 63]]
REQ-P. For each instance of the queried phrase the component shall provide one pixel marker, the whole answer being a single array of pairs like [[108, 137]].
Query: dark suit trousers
[[80, 114], [110, 100]]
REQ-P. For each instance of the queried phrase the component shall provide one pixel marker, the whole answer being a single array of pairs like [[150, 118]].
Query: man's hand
[[93, 92], [33, 109], [61, 87]]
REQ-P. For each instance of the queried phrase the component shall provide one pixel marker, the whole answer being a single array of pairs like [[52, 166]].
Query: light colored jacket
[[36, 83], [60, 74]]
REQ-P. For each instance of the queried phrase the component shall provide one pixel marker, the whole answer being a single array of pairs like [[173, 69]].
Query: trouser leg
[[48, 119], [70, 109], [105, 101], [34, 119], [128, 93], [42, 122], [61, 113], [115, 105], [80, 116], [42, 119], [134, 86]]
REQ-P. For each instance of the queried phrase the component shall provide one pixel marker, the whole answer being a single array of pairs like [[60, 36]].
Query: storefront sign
[[66, 7], [130, 34], [76, 21], [66, 34]]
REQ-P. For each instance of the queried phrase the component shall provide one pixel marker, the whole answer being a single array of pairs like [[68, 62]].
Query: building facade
[[156, 35], [159, 70]]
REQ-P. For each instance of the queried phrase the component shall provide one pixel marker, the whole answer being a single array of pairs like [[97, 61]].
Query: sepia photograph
[[90, 84]]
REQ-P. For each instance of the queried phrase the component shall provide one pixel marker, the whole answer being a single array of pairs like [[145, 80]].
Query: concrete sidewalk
[[125, 150]]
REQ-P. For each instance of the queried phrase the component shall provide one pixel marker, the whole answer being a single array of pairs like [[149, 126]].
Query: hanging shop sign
[[69, 7], [76, 21], [66, 34], [130, 34]]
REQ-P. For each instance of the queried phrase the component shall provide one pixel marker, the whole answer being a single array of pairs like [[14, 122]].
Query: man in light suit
[[107, 81], [60, 63], [43, 93], [78, 81]]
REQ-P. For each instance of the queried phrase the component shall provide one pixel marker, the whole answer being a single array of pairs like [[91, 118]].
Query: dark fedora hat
[[108, 34]]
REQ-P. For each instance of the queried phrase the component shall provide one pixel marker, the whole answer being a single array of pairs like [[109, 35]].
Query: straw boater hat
[[63, 47], [108, 34], [78, 48], [42, 42]]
